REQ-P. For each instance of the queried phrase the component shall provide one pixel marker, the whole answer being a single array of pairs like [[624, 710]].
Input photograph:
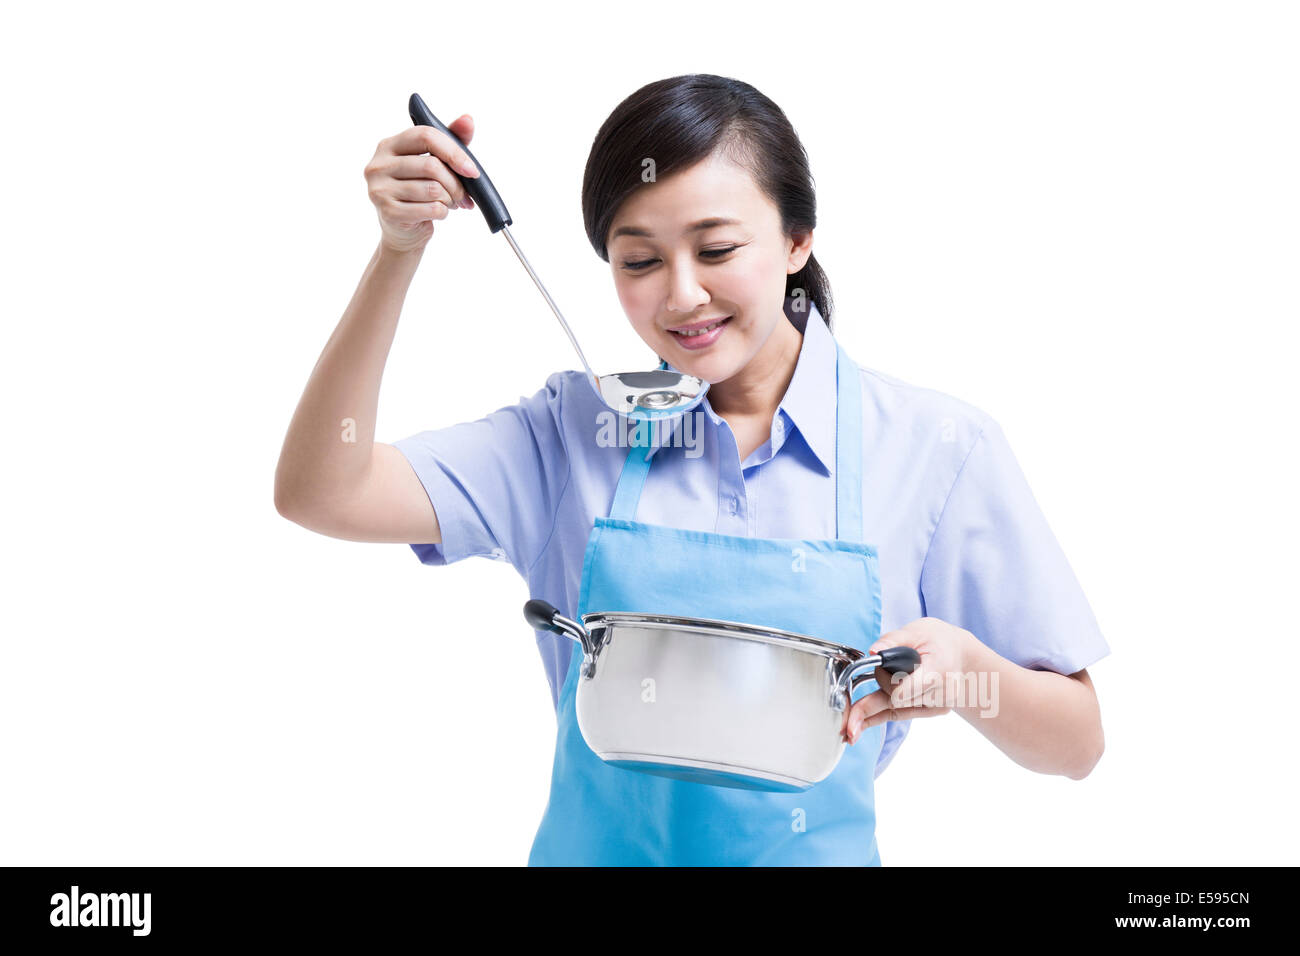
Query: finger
[[862, 711], [904, 713], [423, 166], [853, 717], [896, 685], [895, 638], [450, 152], [463, 127], [426, 139], [420, 190], [400, 213], [416, 168]]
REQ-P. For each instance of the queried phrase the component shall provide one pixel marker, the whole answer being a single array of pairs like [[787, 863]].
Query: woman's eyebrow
[[693, 227]]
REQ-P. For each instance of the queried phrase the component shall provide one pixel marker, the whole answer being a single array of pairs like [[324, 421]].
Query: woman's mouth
[[702, 337]]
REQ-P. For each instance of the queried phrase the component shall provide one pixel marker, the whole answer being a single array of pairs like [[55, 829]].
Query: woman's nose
[[685, 294]]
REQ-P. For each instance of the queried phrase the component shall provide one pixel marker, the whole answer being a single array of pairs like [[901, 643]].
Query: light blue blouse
[[959, 534]]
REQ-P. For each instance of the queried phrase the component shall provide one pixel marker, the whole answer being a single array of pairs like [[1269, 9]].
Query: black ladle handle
[[479, 187]]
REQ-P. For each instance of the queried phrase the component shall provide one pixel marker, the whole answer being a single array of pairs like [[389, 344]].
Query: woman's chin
[[712, 368]]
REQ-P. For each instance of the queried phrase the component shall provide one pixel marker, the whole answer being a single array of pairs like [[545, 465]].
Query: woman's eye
[[709, 253]]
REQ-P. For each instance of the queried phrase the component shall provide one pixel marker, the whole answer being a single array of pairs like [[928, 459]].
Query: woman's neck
[[757, 389]]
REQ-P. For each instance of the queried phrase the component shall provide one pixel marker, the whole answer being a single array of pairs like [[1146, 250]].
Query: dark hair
[[682, 120]]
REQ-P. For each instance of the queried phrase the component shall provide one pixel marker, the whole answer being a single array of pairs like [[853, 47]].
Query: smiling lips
[[699, 334]]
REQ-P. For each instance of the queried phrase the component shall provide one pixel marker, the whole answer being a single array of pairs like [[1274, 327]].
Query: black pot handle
[[895, 660], [541, 615], [900, 660], [479, 187]]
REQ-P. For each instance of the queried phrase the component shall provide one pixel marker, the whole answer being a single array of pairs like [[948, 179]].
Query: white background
[[1079, 217]]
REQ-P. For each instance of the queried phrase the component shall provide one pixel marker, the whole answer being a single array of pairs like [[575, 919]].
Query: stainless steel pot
[[715, 702]]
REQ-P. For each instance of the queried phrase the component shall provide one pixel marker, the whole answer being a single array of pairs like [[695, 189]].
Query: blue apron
[[600, 815]]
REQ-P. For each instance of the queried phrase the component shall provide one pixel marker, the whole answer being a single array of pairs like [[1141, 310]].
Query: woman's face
[[700, 245]]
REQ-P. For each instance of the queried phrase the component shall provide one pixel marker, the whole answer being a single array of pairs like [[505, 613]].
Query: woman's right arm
[[333, 477]]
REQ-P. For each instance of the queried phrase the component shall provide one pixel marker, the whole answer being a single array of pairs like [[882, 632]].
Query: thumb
[[882, 643], [463, 127]]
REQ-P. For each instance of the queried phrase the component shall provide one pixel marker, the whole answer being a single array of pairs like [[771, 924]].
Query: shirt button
[[732, 502]]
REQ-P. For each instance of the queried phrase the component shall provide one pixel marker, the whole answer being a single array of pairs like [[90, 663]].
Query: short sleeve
[[494, 483], [995, 569]]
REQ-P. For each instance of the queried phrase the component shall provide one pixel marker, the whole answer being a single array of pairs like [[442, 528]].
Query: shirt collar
[[810, 400]]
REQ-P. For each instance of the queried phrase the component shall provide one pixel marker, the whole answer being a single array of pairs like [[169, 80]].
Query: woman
[[919, 522]]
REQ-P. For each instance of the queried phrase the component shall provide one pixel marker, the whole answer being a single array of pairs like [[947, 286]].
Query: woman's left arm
[[1044, 721]]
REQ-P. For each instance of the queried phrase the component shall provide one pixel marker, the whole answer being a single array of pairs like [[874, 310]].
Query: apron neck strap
[[848, 447], [848, 456]]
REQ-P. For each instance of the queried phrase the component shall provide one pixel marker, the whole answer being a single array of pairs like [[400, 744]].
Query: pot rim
[[719, 628]]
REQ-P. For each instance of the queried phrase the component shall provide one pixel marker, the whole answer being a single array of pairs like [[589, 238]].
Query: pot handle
[[896, 660], [544, 617], [479, 187]]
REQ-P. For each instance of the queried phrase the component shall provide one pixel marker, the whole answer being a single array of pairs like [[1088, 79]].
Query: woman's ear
[[801, 244]]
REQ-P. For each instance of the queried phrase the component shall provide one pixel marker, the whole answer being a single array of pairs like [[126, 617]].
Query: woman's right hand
[[411, 189]]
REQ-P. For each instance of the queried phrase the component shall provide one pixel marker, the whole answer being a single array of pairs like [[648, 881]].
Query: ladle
[[641, 396]]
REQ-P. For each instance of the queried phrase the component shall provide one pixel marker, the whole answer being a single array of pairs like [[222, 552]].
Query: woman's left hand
[[944, 650]]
